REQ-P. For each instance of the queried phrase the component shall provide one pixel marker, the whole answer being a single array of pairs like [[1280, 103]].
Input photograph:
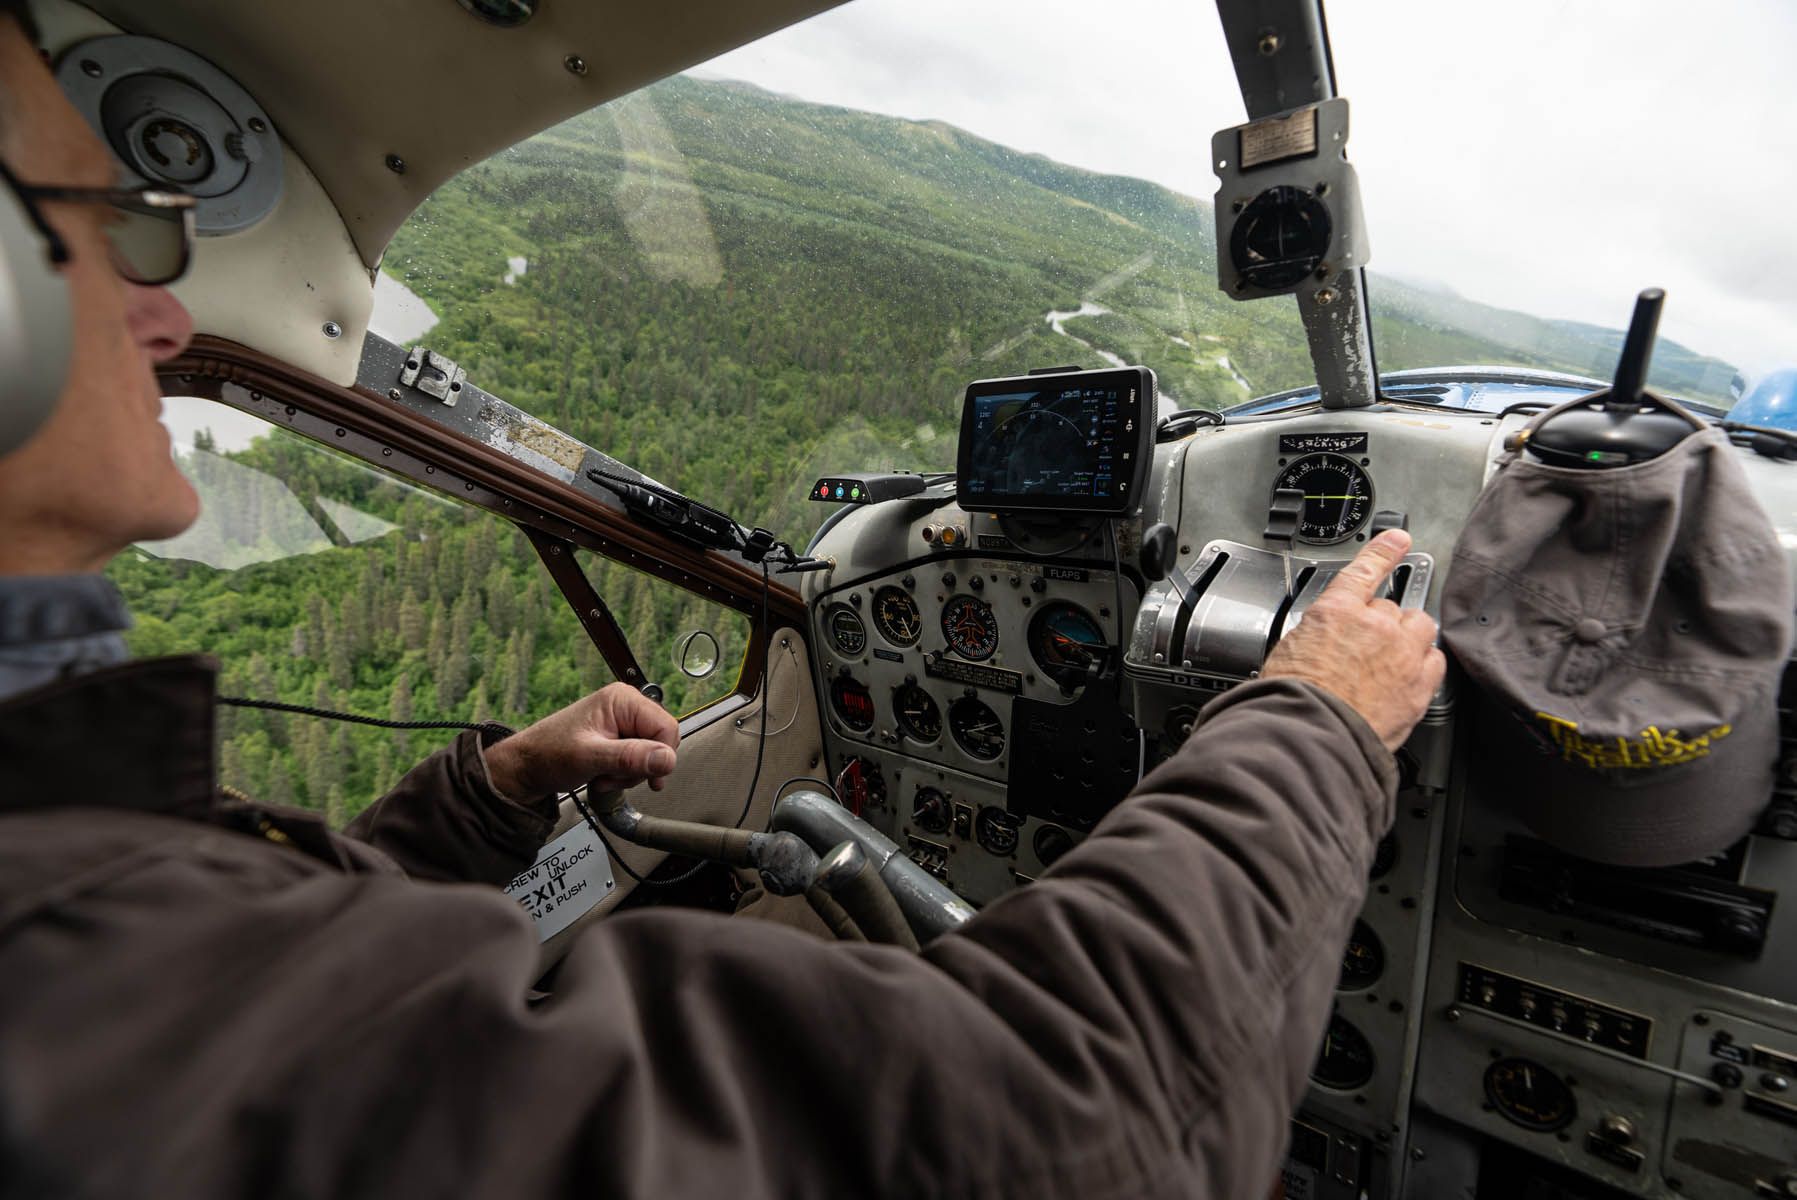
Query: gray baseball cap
[[1627, 628]]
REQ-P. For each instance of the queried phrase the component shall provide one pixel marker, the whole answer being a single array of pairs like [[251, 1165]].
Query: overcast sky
[[1549, 155]]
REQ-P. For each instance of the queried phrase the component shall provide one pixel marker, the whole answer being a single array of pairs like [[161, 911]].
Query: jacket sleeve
[[446, 822], [1137, 1023]]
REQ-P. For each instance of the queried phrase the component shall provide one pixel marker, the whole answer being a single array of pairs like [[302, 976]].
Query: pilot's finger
[[635, 758], [1363, 577], [1435, 668], [619, 783], [1418, 624], [635, 715]]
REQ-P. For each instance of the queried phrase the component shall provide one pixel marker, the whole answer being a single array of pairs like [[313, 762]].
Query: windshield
[[792, 260]]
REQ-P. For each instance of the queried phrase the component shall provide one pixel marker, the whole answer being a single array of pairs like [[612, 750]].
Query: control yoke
[[861, 887]]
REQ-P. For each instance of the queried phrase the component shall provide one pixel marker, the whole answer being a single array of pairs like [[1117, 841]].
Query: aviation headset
[[36, 326]]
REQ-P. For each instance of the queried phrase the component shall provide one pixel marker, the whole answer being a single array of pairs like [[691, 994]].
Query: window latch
[[433, 374]]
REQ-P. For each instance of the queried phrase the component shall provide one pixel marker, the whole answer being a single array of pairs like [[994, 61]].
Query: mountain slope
[[730, 288]]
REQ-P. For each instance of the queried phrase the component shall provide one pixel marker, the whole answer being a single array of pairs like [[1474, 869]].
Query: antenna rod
[[1637, 349]]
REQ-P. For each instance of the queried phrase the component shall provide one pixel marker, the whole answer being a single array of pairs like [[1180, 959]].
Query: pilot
[[201, 997]]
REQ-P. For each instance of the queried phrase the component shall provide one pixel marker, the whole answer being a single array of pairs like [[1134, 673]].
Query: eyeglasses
[[151, 233]]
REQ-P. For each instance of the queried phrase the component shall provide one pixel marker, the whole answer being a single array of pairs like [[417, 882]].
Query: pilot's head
[[98, 474]]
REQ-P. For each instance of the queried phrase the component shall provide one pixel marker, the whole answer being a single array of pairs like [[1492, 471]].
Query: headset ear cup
[[36, 327]]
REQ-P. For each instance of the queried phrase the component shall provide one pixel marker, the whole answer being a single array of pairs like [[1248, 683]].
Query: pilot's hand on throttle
[[1380, 659], [613, 739]]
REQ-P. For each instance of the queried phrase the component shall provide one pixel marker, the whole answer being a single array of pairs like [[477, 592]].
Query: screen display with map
[[1076, 443]]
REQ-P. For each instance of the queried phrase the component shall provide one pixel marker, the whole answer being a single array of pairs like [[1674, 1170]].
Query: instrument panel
[[928, 666], [1502, 1021]]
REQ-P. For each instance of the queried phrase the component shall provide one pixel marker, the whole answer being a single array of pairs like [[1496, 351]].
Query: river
[[1169, 404]]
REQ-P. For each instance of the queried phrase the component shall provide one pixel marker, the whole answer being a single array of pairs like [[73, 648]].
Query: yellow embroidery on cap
[[1654, 748]]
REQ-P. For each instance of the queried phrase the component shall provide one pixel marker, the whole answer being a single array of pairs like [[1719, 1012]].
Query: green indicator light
[[855, 494], [1595, 456]]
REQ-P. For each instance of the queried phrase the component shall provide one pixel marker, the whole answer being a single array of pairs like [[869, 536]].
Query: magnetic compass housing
[[1287, 204]]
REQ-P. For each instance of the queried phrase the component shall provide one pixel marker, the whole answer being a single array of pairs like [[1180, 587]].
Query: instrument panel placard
[[1323, 443], [940, 666]]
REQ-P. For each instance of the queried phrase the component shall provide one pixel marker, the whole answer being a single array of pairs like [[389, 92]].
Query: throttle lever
[[1156, 559], [1385, 519], [1283, 515]]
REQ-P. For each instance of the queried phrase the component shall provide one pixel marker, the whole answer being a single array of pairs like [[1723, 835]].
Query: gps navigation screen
[[1074, 443]]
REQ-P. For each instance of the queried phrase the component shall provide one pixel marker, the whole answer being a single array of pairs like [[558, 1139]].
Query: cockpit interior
[[519, 371]]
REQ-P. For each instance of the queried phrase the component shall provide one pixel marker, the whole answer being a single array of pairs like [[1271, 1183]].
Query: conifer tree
[[279, 788], [315, 643], [452, 678], [436, 653], [502, 601], [384, 775], [337, 654], [412, 625], [261, 684], [399, 707]]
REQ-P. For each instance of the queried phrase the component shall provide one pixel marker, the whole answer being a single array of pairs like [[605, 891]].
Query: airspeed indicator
[[896, 617], [1338, 496]]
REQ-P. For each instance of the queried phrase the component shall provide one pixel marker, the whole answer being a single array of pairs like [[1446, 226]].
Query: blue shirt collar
[[54, 626]]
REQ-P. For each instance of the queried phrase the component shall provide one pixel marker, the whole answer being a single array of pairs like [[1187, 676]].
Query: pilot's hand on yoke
[[1378, 658], [613, 739]]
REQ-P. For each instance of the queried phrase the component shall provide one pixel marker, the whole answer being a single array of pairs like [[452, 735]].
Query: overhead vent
[[175, 121]]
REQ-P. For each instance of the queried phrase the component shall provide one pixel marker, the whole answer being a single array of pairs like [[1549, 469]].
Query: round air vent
[[174, 120]]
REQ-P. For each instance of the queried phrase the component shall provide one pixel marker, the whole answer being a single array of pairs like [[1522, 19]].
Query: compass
[[1338, 496]]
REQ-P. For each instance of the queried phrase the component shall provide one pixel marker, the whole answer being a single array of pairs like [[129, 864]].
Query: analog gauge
[[1363, 959], [1050, 842], [1066, 642], [929, 810], [1526, 1093], [1338, 496], [970, 627], [976, 728], [896, 616], [1346, 1060], [1178, 725], [847, 633], [996, 830], [1281, 236], [853, 702], [917, 713]]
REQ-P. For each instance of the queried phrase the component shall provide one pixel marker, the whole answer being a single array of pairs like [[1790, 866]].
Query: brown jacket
[[203, 999]]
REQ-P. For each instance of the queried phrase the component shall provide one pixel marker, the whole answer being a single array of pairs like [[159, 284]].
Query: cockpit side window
[[317, 580]]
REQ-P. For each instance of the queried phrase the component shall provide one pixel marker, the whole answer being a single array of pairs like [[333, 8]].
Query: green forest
[[378, 598], [733, 292]]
